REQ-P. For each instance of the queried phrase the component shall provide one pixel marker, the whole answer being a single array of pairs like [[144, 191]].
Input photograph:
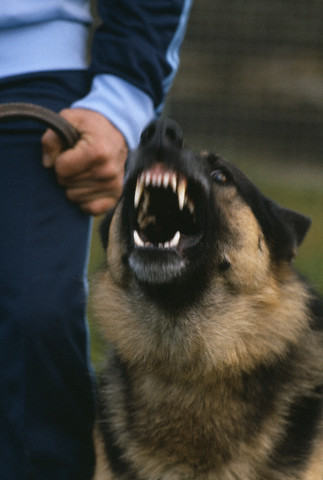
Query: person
[[48, 197]]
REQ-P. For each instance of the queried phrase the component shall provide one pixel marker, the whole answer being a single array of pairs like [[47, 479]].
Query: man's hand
[[92, 171]]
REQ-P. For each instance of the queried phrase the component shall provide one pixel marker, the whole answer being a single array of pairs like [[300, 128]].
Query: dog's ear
[[104, 228], [298, 223], [288, 231], [283, 228]]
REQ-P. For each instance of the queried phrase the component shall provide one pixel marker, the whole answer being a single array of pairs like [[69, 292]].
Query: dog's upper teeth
[[166, 179], [163, 179], [159, 180], [154, 179], [181, 193], [139, 190], [190, 206], [173, 182], [147, 178]]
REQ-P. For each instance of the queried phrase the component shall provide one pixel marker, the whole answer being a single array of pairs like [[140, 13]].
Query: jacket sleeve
[[135, 57]]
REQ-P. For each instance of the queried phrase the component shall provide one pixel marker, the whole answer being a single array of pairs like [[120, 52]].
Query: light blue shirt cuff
[[128, 108]]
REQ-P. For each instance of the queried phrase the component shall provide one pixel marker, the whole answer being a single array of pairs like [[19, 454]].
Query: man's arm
[[135, 57]]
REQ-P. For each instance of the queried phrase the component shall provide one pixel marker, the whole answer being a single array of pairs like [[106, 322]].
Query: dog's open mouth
[[167, 210]]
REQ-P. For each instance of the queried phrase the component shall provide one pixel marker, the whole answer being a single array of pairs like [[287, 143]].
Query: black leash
[[20, 111]]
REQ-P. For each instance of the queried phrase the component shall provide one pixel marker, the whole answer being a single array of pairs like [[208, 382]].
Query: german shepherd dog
[[216, 365]]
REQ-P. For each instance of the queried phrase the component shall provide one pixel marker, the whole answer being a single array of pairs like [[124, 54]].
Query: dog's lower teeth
[[137, 239], [174, 241], [171, 243], [167, 245]]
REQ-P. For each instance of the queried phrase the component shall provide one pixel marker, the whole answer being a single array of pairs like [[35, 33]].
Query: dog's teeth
[[154, 179], [139, 190], [167, 245], [147, 178], [145, 203], [159, 179], [166, 179], [190, 206], [173, 181], [181, 193], [174, 241], [137, 239]]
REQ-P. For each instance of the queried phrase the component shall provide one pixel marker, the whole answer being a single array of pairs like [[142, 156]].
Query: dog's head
[[198, 263], [185, 217]]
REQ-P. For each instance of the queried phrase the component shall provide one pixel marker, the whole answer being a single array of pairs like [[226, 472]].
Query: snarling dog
[[216, 366]]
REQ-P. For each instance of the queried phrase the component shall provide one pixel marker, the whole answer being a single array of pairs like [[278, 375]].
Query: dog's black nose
[[163, 132]]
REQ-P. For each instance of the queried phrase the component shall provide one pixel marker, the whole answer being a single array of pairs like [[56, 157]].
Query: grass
[[293, 185]]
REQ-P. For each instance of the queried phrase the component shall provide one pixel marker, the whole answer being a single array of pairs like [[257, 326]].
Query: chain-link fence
[[252, 74]]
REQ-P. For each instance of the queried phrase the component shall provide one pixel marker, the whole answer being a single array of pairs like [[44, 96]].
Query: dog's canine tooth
[[173, 181], [181, 193], [174, 241], [139, 190], [137, 239]]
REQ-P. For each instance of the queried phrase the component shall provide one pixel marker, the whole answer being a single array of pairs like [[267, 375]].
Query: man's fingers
[[74, 162], [93, 201], [92, 171], [52, 147], [98, 206]]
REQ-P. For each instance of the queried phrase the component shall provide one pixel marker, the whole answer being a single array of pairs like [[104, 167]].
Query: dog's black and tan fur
[[216, 371]]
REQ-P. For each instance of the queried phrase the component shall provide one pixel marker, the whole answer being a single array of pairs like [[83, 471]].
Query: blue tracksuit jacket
[[133, 59]]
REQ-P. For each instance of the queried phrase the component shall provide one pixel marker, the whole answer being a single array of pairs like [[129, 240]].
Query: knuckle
[[102, 151], [70, 194]]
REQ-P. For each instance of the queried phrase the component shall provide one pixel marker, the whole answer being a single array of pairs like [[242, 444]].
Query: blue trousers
[[46, 383]]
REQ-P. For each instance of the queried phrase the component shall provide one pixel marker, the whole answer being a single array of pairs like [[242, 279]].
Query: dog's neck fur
[[223, 339]]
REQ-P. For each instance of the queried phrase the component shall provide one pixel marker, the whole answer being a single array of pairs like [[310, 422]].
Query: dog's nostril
[[148, 134], [174, 135], [161, 133]]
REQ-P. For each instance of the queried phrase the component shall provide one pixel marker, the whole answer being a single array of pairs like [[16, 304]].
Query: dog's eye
[[219, 176]]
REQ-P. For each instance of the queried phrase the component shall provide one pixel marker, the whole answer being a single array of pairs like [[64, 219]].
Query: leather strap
[[21, 111]]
